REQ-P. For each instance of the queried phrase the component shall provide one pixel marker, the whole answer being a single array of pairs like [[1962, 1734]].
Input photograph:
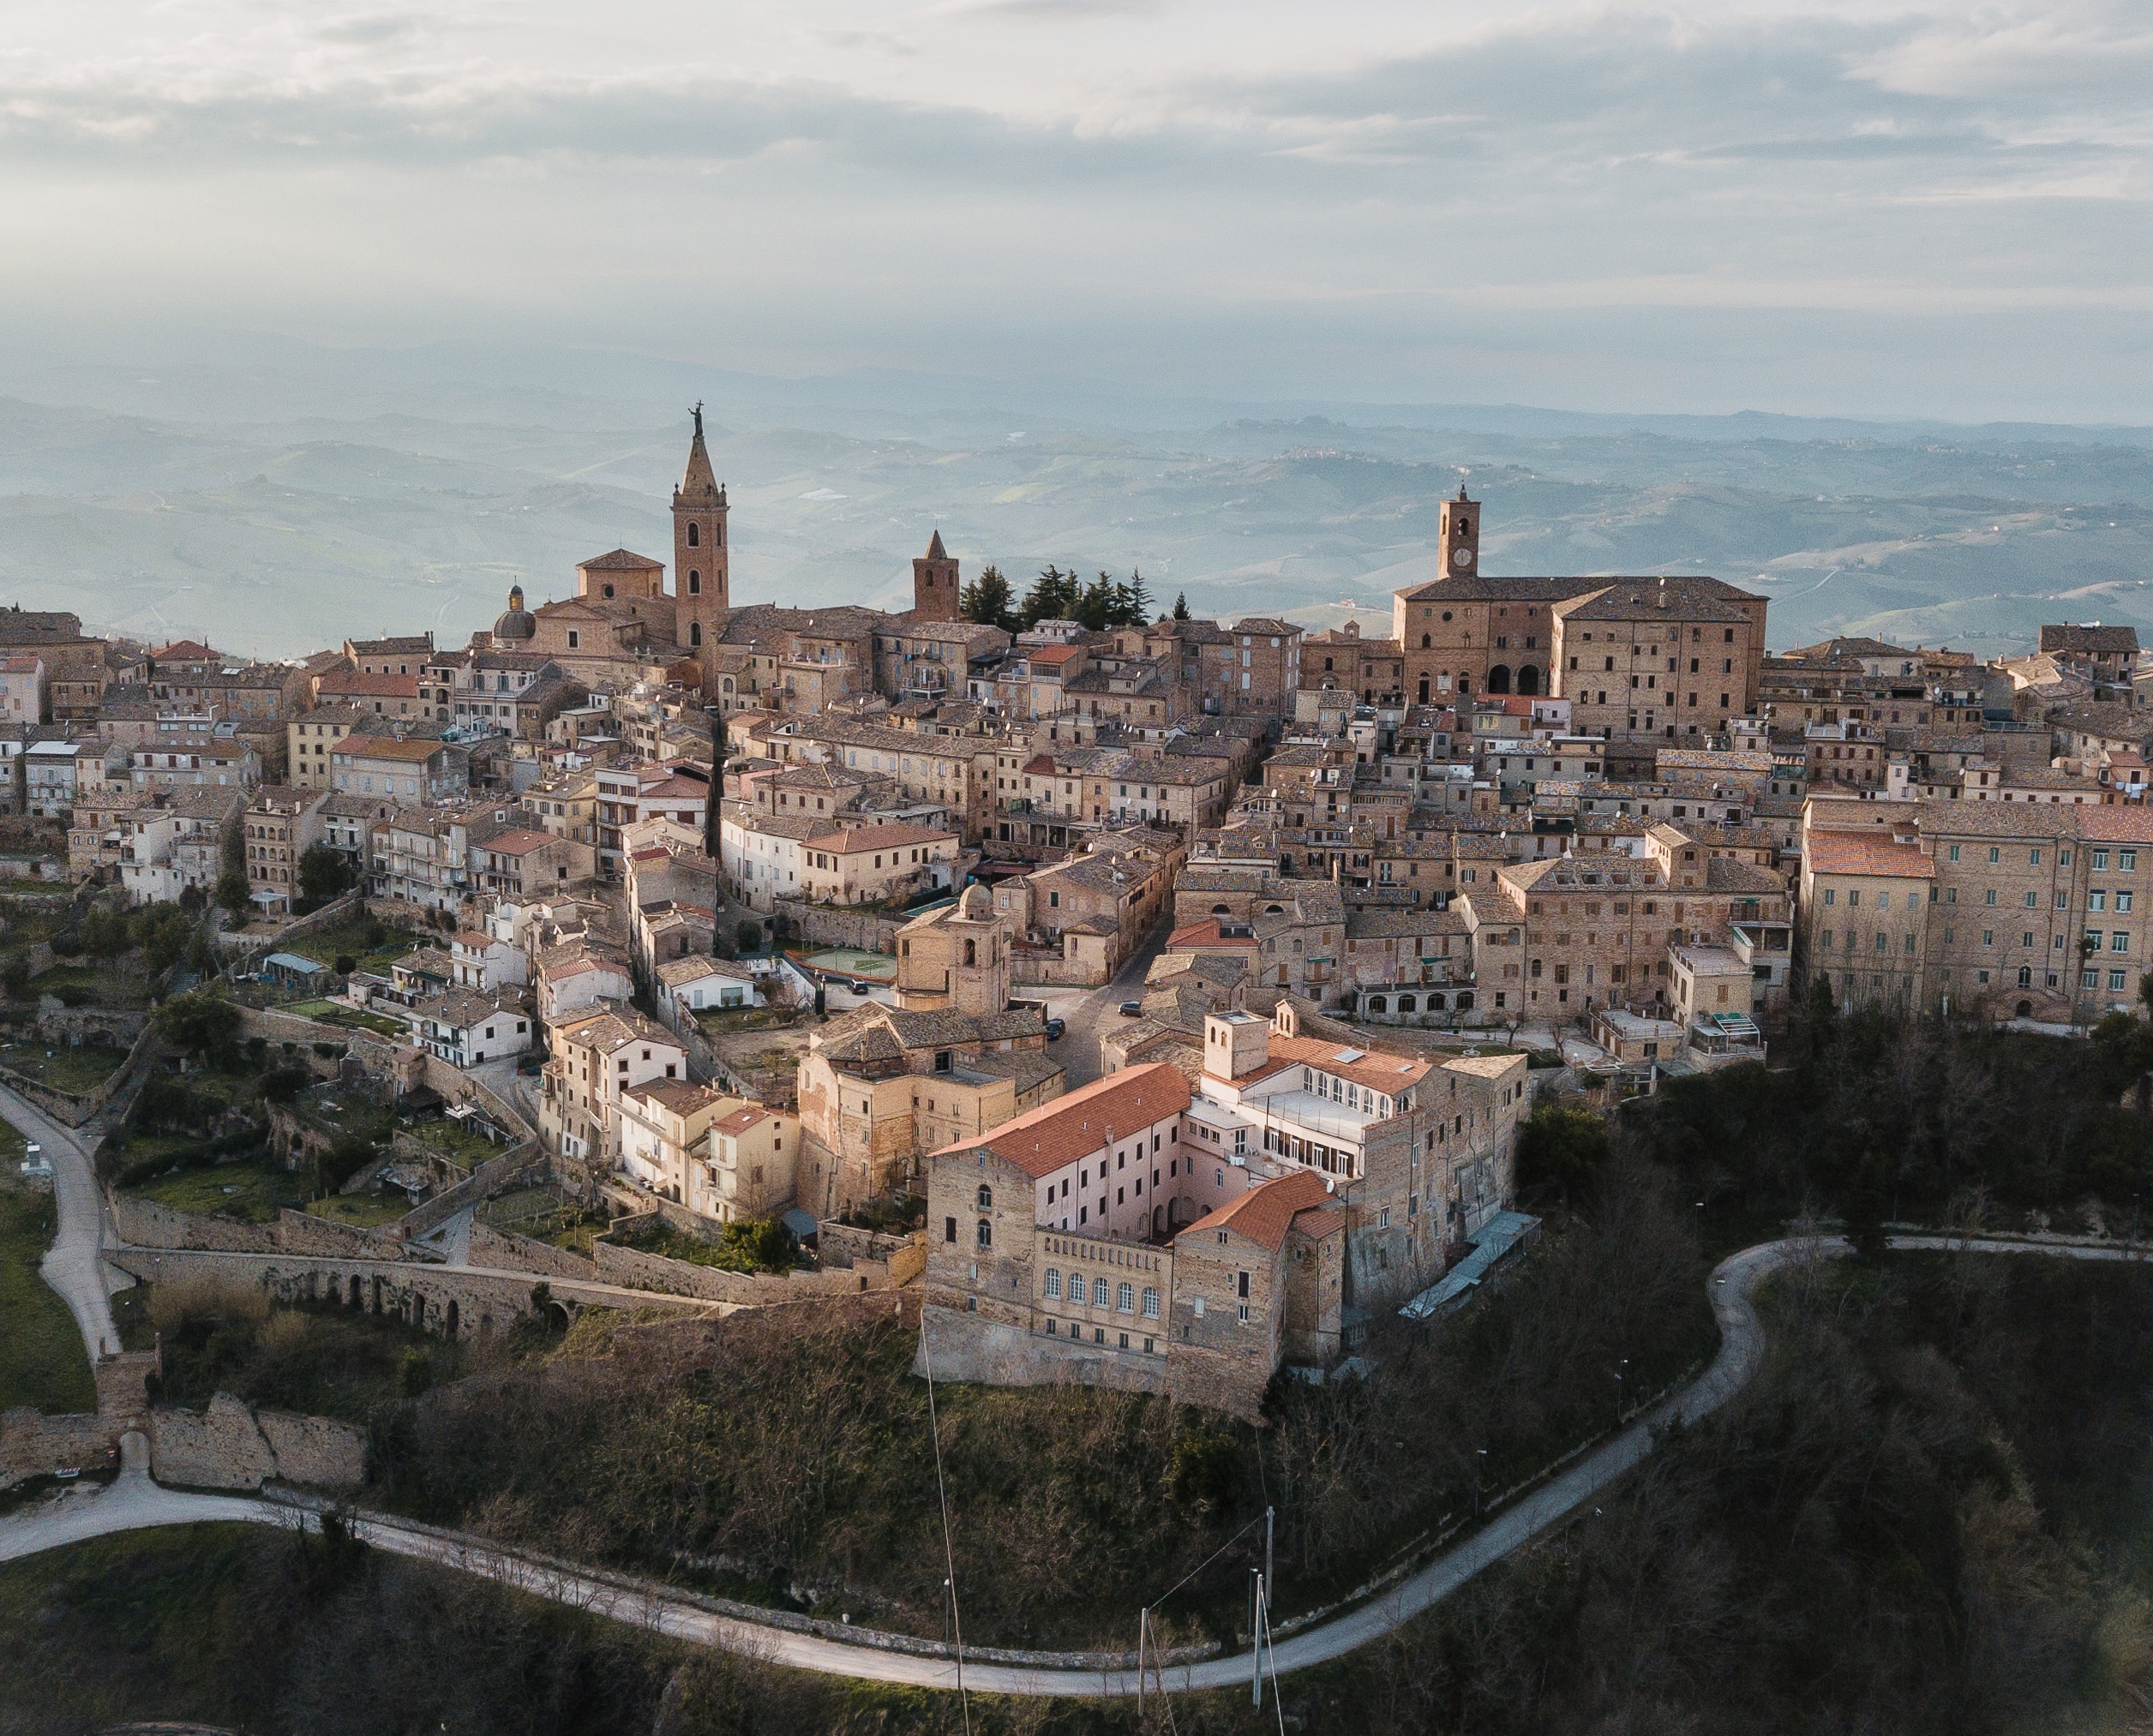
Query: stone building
[[1144, 1234], [598, 1057], [1660, 655]]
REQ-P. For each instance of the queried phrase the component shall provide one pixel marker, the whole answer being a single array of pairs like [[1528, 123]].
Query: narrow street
[[1088, 1012]]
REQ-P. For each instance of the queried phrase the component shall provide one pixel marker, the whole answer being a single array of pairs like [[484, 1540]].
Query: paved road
[[1089, 1011], [74, 1266], [133, 1502]]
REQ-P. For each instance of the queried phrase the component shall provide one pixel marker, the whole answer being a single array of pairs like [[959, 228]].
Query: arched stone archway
[[1499, 678], [1528, 680]]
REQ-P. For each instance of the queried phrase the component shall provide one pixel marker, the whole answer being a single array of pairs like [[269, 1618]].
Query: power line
[[942, 1495]]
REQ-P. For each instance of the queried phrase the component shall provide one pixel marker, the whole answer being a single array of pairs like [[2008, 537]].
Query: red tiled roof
[[386, 747], [1379, 1070], [893, 836], [1266, 1211], [742, 1119], [1860, 853], [520, 842], [2117, 823], [1072, 1127], [1054, 655], [184, 651], [621, 561]]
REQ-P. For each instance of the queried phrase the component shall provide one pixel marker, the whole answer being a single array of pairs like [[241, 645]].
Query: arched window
[[986, 1198], [1125, 1299], [1427, 642], [695, 632], [694, 583], [986, 1233], [1407, 1004], [1499, 678], [1100, 1294], [1465, 1003], [1053, 1284], [728, 684], [1222, 910], [694, 535], [1376, 1003]]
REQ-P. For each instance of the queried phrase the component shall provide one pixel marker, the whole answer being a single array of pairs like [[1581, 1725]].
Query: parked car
[[1055, 1027], [1132, 1009]]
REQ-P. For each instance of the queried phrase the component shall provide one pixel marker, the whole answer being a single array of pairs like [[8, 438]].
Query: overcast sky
[[1827, 209]]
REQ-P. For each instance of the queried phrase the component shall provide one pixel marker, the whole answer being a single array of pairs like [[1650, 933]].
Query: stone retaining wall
[[451, 1302], [985, 1353], [147, 1224], [821, 926], [637, 1270], [489, 1178], [509, 1252], [35, 1444], [231, 1445]]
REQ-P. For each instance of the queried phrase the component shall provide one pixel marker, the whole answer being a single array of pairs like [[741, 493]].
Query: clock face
[[1461, 559]]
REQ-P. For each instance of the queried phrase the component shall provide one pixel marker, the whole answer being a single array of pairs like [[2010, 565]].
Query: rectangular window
[[2096, 899], [2115, 982], [2127, 860], [2100, 861], [2119, 941], [2089, 979]]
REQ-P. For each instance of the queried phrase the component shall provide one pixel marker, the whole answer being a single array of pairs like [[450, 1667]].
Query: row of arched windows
[[1122, 1298]]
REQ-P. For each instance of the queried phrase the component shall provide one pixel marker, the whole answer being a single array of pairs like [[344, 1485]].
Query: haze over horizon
[[318, 322]]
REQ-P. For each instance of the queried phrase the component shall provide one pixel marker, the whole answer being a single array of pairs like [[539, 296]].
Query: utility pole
[[1270, 1517]]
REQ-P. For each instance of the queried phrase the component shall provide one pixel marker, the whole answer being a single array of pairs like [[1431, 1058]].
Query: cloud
[[1398, 178]]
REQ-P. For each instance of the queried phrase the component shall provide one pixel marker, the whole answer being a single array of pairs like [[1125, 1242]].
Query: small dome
[[977, 905], [518, 623]]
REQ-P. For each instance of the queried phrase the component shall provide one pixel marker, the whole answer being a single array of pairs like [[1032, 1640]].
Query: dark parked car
[[1132, 1009], [1055, 1027]]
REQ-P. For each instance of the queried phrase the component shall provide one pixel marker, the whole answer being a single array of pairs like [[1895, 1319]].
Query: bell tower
[[934, 585], [701, 581], [1458, 536]]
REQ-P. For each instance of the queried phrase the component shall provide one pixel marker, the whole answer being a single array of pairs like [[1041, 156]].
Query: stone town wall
[[33, 1445], [231, 1445], [989, 1353], [887, 1261], [451, 1302], [68, 1108], [489, 1179], [637, 1270], [146, 1224], [507, 1252], [826, 926]]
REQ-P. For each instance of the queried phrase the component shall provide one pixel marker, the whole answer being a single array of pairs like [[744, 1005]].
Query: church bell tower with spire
[[701, 583], [934, 583]]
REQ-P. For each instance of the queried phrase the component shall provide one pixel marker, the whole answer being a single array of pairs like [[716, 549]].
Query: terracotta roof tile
[[1070, 1126], [1266, 1211]]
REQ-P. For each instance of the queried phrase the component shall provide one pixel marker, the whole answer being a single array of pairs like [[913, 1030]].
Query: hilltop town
[[1152, 1000]]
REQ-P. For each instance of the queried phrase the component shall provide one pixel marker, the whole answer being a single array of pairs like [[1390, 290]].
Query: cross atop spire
[[700, 484]]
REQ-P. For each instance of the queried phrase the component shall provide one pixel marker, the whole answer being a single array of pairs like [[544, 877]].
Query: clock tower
[[1458, 536]]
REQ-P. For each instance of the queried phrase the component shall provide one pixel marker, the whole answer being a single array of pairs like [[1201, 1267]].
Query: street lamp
[[1479, 1464], [1618, 1390]]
